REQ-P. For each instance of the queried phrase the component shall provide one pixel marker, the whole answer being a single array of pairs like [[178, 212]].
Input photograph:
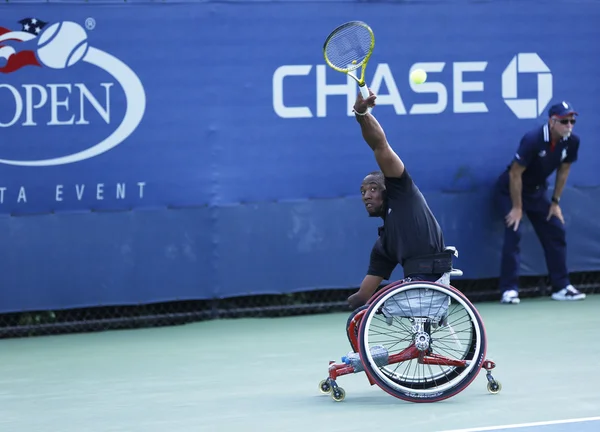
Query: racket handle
[[364, 91]]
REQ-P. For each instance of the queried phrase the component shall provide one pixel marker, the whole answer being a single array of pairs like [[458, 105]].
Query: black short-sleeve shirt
[[409, 230]]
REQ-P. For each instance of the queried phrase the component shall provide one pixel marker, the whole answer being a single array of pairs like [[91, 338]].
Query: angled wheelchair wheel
[[422, 341]]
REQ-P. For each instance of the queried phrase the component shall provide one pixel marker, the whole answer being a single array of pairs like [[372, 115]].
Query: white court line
[[523, 425]]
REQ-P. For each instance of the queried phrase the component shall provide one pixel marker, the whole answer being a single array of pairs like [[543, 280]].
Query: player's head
[[372, 190], [562, 119]]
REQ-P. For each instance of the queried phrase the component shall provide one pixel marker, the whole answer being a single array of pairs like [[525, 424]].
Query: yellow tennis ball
[[353, 61], [418, 76]]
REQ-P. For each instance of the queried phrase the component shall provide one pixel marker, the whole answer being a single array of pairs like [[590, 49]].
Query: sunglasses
[[567, 121]]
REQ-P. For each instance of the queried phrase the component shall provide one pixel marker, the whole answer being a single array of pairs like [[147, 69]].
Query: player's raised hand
[[361, 104]]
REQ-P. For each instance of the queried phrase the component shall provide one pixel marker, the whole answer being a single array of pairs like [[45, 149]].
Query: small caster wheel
[[325, 387], [338, 394], [494, 387]]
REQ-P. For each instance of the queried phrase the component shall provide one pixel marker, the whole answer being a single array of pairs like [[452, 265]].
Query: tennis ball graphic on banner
[[62, 45]]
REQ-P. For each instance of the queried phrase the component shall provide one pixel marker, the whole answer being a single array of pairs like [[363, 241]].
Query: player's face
[[563, 126], [372, 196]]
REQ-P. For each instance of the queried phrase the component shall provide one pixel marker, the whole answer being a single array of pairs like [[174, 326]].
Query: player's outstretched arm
[[389, 162], [367, 288]]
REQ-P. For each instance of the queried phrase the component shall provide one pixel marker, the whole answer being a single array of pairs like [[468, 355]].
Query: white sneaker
[[568, 293], [510, 297]]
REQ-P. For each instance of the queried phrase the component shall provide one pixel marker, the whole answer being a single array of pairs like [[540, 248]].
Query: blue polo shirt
[[541, 157]]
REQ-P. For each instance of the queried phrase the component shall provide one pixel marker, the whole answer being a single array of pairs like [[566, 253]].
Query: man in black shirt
[[410, 233]]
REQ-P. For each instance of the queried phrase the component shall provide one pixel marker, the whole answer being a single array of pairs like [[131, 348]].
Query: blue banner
[[226, 111]]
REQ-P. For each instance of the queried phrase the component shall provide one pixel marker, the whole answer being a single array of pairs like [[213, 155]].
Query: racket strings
[[350, 44]]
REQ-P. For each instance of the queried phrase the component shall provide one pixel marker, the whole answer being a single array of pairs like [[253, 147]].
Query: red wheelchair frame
[[329, 385]]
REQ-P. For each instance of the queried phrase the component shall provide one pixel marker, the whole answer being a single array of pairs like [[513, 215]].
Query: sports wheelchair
[[419, 341]]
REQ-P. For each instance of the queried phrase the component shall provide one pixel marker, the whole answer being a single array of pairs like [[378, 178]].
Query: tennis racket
[[348, 48]]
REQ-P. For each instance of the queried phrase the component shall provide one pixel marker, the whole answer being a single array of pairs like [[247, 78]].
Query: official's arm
[[561, 179], [516, 185]]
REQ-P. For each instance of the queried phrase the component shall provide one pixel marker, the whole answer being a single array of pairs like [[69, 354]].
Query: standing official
[[522, 188]]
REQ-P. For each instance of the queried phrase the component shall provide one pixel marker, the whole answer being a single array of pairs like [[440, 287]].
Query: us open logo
[[60, 46]]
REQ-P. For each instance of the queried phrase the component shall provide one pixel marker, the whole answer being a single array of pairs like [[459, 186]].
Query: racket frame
[[363, 65]]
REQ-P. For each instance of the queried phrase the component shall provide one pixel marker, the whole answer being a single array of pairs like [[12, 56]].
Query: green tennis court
[[262, 375]]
